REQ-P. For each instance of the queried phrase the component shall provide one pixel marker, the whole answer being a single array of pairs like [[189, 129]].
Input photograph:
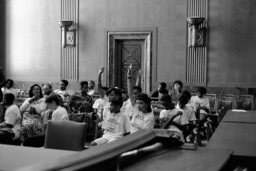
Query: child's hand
[[129, 71], [101, 70]]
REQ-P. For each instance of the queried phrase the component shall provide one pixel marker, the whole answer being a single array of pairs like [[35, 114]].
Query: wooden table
[[240, 117], [199, 160], [238, 137], [14, 157]]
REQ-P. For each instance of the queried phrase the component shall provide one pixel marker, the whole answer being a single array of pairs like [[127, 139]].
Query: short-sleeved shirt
[[13, 117], [188, 113], [115, 125], [60, 114], [203, 102], [142, 120], [169, 114]]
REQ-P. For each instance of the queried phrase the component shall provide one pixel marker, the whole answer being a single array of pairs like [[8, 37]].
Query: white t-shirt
[[60, 114], [203, 102], [39, 105], [61, 93], [10, 90], [188, 114], [115, 125], [169, 114], [13, 117], [142, 120]]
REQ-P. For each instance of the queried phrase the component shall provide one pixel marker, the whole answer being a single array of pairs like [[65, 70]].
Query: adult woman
[[31, 111], [142, 117]]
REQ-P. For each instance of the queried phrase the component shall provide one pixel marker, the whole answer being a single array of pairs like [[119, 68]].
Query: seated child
[[115, 124], [170, 117]]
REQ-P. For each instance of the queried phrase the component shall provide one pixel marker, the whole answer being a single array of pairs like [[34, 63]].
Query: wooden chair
[[65, 135], [245, 102]]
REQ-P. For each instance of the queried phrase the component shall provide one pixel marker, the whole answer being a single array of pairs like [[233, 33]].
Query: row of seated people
[[120, 115]]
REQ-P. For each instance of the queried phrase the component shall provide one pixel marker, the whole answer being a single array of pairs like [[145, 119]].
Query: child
[[169, 114], [116, 124]]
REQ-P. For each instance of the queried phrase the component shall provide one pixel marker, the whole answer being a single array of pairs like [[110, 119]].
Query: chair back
[[245, 102], [65, 135]]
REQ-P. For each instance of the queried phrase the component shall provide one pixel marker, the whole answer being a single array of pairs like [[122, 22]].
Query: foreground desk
[[201, 159], [240, 117], [105, 157], [14, 157], [238, 137]]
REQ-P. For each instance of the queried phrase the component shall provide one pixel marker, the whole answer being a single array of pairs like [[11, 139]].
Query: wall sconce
[[196, 34], [68, 36]]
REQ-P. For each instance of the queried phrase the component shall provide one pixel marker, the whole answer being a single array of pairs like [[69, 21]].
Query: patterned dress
[[32, 123]]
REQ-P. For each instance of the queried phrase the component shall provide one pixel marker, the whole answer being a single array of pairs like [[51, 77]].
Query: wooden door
[[128, 52]]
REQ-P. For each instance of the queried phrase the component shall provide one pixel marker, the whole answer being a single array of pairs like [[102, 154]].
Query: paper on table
[[238, 110]]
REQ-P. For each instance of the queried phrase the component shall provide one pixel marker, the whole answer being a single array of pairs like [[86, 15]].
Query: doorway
[[128, 52], [125, 48]]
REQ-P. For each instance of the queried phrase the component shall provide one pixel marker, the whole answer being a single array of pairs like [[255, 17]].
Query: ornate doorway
[[125, 48]]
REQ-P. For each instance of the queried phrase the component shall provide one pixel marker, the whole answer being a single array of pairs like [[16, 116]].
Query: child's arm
[[129, 86], [138, 80], [101, 92], [170, 121]]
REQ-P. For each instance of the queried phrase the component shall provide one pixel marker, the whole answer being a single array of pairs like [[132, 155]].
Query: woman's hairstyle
[[178, 82], [9, 98], [183, 100], [202, 90], [53, 98], [82, 83], [186, 93], [138, 88], [91, 81], [144, 97], [10, 81], [167, 101], [65, 82], [31, 91], [163, 85]]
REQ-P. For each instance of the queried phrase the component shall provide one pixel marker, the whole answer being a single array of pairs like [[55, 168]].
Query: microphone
[[143, 151]]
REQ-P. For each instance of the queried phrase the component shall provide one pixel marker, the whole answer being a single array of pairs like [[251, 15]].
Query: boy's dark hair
[[186, 93], [65, 82], [202, 90], [167, 101], [144, 97], [138, 88], [116, 91], [9, 98], [178, 82], [11, 82], [163, 91], [31, 91], [118, 101], [53, 98], [163, 85], [183, 100], [82, 83]]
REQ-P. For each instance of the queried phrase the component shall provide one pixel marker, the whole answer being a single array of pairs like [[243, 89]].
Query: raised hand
[[101, 70], [129, 71]]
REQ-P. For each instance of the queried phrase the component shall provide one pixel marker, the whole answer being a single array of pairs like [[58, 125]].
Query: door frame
[[149, 69]]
